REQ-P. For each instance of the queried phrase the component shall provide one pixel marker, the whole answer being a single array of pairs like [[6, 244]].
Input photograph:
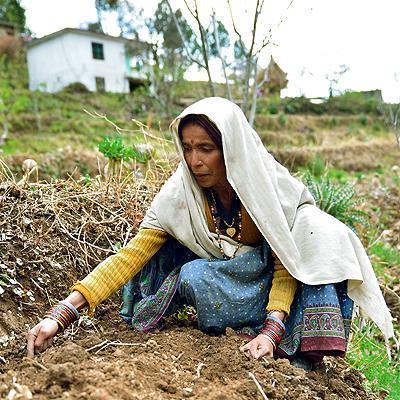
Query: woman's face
[[203, 157]]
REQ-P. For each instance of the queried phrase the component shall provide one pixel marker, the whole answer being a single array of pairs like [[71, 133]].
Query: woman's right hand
[[40, 337]]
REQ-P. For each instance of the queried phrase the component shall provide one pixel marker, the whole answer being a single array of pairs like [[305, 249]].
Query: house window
[[97, 51], [100, 84]]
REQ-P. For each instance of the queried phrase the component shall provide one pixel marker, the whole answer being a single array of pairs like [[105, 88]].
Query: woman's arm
[[280, 299], [101, 283], [282, 290], [117, 269]]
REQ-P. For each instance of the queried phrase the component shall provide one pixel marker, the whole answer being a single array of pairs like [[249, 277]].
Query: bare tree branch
[[249, 56], [183, 38], [234, 27], [217, 44], [267, 39], [203, 38], [256, 88]]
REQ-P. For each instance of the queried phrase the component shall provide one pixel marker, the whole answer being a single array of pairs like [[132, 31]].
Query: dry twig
[[260, 389]]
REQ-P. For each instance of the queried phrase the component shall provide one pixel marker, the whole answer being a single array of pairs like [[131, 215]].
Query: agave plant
[[338, 200]]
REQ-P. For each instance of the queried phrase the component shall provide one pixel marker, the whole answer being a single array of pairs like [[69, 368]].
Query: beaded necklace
[[231, 231]]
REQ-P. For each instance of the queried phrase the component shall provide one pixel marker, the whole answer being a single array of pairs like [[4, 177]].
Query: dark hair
[[204, 122]]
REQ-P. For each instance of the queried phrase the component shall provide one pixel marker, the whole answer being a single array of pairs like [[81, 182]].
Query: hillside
[[56, 230], [55, 130]]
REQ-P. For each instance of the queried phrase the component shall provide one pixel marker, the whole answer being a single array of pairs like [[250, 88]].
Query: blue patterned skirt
[[234, 293]]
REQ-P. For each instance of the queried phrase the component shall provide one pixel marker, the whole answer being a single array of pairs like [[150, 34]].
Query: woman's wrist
[[65, 312], [278, 314], [77, 300], [274, 328]]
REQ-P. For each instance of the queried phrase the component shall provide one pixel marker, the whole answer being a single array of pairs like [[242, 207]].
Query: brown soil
[[179, 362], [50, 236]]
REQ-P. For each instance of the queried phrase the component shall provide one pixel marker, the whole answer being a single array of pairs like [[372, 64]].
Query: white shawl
[[313, 246]]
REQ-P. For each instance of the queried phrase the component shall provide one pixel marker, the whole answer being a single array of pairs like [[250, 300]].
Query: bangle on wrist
[[273, 329], [64, 313], [270, 339]]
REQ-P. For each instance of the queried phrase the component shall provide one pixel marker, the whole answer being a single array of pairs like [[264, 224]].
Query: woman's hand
[[40, 337], [258, 347]]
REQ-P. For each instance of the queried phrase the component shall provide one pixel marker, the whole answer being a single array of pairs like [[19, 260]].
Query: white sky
[[316, 37]]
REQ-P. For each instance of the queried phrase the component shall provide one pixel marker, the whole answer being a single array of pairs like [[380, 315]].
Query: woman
[[233, 234]]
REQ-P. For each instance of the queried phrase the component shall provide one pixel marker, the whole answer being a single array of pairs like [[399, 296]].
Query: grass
[[384, 258], [367, 353], [387, 254]]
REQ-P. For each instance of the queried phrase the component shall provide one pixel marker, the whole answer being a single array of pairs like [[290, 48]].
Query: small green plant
[[363, 119], [338, 200], [282, 119], [332, 122], [388, 255], [117, 152], [186, 314], [317, 166], [117, 246], [273, 108]]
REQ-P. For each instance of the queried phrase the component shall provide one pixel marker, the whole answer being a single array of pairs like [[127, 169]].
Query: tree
[[211, 39], [104, 6], [335, 76], [129, 17], [171, 55], [12, 11]]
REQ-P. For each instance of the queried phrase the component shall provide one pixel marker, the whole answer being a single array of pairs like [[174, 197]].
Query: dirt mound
[[53, 234], [179, 362]]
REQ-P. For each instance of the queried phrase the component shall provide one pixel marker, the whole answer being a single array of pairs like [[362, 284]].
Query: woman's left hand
[[258, 347]]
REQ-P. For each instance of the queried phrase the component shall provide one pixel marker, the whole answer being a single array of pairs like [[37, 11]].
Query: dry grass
[[349, 156]]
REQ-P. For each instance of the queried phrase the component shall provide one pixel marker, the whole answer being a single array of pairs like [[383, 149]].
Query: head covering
[[204, 122], [313, 246]]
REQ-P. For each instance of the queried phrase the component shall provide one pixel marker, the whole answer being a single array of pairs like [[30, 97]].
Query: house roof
[[84, 32]]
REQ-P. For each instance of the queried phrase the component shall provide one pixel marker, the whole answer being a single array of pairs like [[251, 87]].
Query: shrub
[[363, 119], [76, 87], [338, 200], [302, 105], [354, 103], [282, 119]]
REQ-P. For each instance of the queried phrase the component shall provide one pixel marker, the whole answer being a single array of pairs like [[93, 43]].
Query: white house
[[97, 60]]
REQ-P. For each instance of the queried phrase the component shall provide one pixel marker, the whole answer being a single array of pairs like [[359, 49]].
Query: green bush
[[363, 119], [282, 119], [354, 103], [75, 87], [338, 200], [114, 149], [302, 105]]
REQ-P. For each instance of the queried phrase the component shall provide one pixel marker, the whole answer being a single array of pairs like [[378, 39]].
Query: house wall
[[68, 58]]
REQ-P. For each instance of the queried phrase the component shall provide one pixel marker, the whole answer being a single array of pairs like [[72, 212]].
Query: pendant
[[231, 232]]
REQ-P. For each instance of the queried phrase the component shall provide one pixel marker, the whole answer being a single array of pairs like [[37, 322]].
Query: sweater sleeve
[[283, 288], [117, 269]]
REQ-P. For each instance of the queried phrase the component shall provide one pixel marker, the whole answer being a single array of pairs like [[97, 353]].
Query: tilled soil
[[111, 361], [53, 235]]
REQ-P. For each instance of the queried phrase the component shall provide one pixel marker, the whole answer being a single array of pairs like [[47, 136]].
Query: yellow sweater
[[117, 269]]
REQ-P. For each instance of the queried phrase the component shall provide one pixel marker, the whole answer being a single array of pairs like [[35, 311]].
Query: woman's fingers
[[31, 337], [259, 347], [245, 347], [41, 336]]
